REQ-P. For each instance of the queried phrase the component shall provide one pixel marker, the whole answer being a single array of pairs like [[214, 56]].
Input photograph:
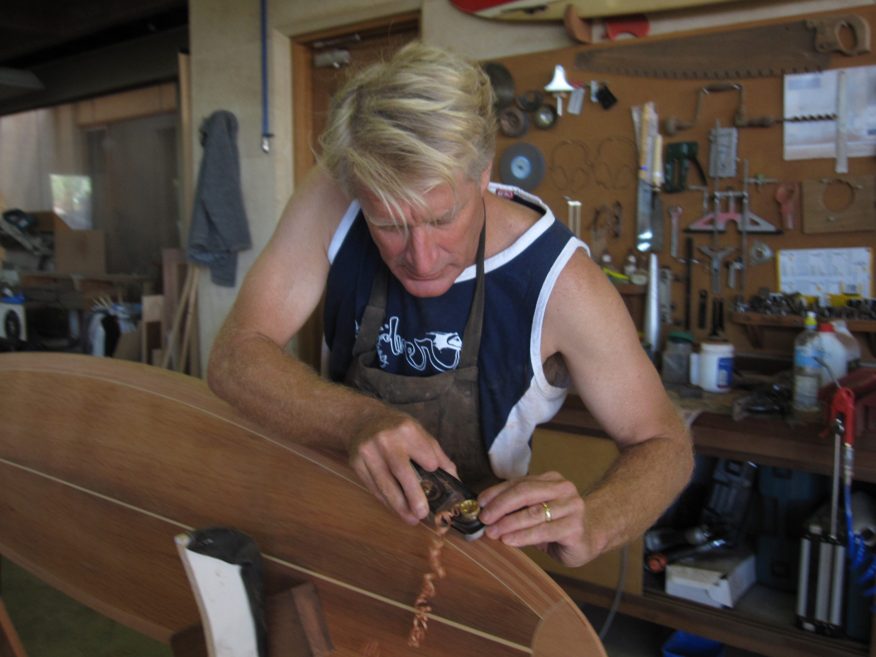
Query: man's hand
[[381, 454], [543, 510]]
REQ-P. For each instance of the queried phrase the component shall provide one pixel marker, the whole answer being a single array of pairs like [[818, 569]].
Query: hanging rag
[[219, 226]]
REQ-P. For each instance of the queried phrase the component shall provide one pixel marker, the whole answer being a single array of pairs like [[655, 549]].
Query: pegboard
[[592, 158]]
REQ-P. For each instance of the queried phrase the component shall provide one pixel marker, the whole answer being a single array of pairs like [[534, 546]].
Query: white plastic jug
[[712, 368]]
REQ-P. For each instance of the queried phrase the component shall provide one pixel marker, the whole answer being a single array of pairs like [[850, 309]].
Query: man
[[461, 309]]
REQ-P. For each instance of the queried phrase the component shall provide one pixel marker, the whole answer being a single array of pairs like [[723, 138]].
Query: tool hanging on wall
[[760, 253], [842, 124], [559, 87], [651, 328], [674, 219], [665, 295], [502, 83], [523, 165], [673, 125], [717, 318], [688, 280], [786, 197], [513, 122], [679, 156], [702, 309], [716, 256], [856, 213], [573, 210], [748, 221], [756, 52], [605, 223], [830, 37], [722, 151], [650, 176]]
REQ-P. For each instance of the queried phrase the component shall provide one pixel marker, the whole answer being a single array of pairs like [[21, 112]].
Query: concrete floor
[[52, 625]]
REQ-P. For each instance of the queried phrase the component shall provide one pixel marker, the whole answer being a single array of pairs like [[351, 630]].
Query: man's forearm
[[644, 480], [285, 396]]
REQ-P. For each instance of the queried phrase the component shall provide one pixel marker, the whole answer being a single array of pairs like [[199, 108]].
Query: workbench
[[763, 621]]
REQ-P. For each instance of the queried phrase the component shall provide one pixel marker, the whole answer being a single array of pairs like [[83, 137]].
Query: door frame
[[310, 337], [302, 81]]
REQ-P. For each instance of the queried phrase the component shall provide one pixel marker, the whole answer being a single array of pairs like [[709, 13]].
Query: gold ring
[[547, 512]]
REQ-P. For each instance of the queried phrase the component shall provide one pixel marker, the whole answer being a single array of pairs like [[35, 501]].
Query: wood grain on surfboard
[[103, 462], [553, 10]]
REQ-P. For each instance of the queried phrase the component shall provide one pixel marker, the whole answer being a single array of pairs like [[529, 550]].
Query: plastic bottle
[[807, 371], [715, 362], [833, 354], [676, 357], [631, 264], [853, 348]]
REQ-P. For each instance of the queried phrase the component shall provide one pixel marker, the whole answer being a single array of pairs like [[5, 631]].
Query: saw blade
[[766, 51]]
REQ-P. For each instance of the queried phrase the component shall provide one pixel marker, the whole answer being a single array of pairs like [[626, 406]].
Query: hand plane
[[444, 492]]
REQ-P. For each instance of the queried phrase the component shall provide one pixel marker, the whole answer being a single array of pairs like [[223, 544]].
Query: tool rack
[[592, 158]]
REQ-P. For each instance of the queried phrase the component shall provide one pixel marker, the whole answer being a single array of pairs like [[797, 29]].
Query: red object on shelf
[[635, 24], [862, 384]]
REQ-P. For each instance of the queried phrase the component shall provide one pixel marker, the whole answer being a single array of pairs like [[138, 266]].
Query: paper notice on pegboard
[[808, 95], [820, 272]]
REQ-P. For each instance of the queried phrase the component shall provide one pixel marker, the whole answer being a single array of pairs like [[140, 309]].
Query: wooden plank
[[552, 10], [131, 454]]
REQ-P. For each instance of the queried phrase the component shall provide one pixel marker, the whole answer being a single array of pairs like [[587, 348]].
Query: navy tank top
[[424, 336]]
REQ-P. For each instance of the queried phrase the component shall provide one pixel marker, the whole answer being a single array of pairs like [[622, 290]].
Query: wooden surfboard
[[553, 10], [104, 462]]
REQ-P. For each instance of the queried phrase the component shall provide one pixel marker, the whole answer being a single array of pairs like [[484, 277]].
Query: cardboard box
[[76, 251], [80, 252], [718, 579]]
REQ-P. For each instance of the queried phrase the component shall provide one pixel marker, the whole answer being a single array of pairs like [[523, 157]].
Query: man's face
[[440, 240]]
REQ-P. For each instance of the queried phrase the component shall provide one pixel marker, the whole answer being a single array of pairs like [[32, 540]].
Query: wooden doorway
[[320, 64]]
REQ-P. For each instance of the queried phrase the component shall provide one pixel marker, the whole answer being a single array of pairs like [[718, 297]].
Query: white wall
[[225, 58], [33, 145]]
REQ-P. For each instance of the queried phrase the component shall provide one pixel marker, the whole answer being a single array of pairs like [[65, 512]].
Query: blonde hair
[[401, 127]]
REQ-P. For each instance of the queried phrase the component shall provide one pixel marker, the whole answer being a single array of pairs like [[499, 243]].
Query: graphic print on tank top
[[438, 351]]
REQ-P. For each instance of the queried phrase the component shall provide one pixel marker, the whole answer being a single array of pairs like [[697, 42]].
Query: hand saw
[[765, 51]]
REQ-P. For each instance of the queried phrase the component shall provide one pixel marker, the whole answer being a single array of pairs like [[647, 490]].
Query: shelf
[[763, 621], [755, 323], [768, 441], [734, 627]]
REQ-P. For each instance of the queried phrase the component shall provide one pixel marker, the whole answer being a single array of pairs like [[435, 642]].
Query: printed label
[[725, 372]]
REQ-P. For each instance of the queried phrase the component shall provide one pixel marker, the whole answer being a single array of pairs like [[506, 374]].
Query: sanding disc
[[503, 83], [513, 122], [522, 165]]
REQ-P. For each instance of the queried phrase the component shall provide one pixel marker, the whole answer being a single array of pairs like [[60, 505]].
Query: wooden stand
[[296, 627]]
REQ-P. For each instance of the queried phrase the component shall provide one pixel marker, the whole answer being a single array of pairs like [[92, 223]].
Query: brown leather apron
[[446, 404]]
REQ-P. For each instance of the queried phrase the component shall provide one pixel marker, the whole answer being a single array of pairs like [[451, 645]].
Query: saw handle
[[828, 36]]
